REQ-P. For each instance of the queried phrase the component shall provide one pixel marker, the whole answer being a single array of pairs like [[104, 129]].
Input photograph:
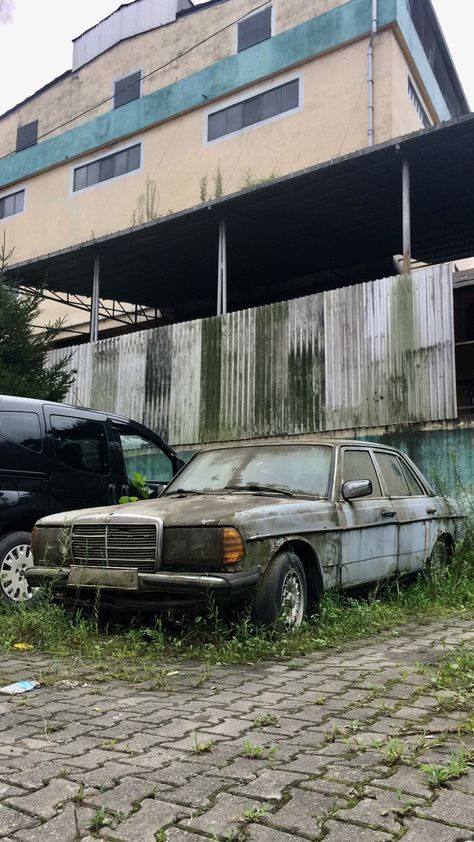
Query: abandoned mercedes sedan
[[280, 523]]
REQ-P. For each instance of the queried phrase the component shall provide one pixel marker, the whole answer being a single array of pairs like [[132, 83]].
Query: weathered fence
[[370, 355]]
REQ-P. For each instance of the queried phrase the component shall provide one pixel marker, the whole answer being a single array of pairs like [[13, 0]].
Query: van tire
[[15, 557]]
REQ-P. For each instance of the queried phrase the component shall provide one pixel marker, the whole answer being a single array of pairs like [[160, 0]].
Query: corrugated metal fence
[[362, 356]]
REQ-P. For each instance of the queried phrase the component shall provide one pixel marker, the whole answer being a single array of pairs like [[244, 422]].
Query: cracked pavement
[[327, 746]]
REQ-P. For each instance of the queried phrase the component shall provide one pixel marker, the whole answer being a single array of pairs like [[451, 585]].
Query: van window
[[80, 444], [146, 458], [23, 428]]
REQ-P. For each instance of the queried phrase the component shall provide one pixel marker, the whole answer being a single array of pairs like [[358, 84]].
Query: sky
[[36, 36]]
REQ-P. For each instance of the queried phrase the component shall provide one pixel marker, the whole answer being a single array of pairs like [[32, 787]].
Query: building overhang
[[333, 224]]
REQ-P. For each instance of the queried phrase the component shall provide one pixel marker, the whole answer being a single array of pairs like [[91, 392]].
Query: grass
[[51, 628]]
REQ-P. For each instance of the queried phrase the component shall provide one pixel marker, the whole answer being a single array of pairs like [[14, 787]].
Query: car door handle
[[387, 513], [431, 511]]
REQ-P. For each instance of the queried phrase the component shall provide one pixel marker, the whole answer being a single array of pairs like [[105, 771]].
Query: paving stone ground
[[272, 752]]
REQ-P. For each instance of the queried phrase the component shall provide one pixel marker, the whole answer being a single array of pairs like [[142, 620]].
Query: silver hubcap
[[12, 573], [292, 599]]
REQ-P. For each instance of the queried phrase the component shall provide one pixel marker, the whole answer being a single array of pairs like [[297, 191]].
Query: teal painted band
[[420, 60], [326, 32]]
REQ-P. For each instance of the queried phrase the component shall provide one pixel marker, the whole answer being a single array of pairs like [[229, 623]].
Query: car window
[[23, 428], [357, 464], [413, 484], [395, 480], [144, 457], [80, 444], [301, 469]]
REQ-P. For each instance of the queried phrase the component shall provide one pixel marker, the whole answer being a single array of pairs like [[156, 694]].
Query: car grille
[[115, 545]]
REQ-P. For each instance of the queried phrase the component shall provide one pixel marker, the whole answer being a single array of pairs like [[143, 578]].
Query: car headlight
[[203, 548], [51, 545]]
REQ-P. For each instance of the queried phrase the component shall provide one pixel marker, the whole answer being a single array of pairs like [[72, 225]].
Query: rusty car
[[275, 524]]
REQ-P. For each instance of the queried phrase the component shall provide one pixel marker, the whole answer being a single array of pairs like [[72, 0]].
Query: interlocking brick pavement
[[275, 752]]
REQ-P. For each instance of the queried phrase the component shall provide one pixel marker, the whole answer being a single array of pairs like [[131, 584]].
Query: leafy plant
[[138, 483], [265, 720], [24, 369], [251, 181], [457, 765], [202, 747], [255, 814]]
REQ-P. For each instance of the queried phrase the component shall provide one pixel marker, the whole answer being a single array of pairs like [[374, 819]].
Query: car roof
[[316, 440]]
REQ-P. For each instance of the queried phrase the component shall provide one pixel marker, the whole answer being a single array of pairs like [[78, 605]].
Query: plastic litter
[[19, 687]]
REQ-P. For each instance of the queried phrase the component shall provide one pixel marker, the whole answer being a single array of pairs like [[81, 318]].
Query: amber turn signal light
[[233, 549]]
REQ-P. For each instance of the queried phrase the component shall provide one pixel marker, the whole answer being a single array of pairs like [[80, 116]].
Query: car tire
[[282, 594], [15, 557], [440, 556]]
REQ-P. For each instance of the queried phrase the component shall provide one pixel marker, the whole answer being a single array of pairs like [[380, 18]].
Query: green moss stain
[[211, 379], [271, 356]]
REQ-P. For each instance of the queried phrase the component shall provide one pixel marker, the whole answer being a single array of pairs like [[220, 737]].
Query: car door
[[414, 510], [369, 536], [84, 468], [143, 454]]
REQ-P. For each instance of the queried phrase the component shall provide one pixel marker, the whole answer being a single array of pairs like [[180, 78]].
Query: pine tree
[[23, 351]]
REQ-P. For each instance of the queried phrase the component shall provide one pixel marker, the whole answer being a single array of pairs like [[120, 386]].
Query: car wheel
[[440, 556], [15, 557], [281, 593]]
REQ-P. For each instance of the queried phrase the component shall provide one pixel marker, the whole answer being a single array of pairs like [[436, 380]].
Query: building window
[[127, 89], [11, 204], [254, 29], [111, 166], [417, 103], [27, 136], [248, 112]]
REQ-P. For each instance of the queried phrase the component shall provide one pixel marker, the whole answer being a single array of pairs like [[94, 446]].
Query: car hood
[[253, 514]]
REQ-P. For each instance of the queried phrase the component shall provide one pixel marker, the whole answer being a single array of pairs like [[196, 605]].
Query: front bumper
[[129, 579]]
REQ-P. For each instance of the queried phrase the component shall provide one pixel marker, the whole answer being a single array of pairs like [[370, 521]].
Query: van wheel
[[281, 593], [15, 557]]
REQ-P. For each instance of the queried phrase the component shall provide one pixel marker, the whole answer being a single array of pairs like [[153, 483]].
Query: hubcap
[[12, 573], [292, 599]]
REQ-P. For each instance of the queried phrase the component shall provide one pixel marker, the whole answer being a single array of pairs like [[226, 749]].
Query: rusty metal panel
[[389, 348], [128, 20], [185, 384]]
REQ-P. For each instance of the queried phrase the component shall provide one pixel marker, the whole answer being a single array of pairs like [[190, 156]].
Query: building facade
[[168, 105]]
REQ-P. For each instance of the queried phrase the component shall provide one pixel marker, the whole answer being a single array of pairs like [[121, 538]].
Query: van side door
[[143, 452], [23, 469], [84, 468]]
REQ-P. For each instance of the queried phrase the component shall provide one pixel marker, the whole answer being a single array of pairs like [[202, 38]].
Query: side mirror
[[354, 488]]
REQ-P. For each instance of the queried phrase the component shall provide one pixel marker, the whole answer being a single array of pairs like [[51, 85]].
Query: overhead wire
[[145, 76]]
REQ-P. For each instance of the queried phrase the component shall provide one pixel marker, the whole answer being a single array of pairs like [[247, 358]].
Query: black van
[[54, 458]]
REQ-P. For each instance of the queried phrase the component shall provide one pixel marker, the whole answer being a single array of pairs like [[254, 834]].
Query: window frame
[[121, 79], [375, 467], [417, 103], [251, 15], [93, 159], [5, 194], [26, 126], [250, 94]]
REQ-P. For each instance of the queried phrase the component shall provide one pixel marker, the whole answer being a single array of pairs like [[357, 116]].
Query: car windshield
[[299, 469]]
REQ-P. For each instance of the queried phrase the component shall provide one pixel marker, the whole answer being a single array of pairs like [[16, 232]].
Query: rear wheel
[[15, 558], [281, 594], [440, 556]]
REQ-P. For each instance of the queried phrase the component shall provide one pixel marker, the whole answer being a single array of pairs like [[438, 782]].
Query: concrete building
[[169, 105]]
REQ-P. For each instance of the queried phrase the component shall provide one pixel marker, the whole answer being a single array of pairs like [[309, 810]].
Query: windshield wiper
[[182, 491], [254, 486]]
